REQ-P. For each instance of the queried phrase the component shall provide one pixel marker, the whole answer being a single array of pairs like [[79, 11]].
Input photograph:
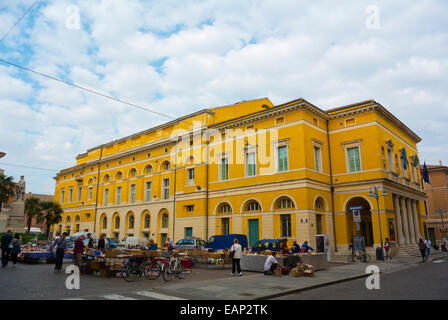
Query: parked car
[[133, 242], [267, 244], [190, 243], [225, 241]]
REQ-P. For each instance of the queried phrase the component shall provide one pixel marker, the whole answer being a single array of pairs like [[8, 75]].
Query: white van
[[133, 242]]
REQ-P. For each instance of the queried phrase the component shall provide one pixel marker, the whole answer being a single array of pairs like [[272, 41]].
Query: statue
[[20, 191]]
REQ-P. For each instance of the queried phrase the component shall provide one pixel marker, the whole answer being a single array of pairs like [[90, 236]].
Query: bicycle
[[133, 269], [358, 256], [173, 267], [152, 269]]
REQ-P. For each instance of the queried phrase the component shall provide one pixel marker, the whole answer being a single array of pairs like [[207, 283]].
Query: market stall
[[255, 262]]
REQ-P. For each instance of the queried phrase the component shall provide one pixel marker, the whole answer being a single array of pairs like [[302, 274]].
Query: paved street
[[427, 280]]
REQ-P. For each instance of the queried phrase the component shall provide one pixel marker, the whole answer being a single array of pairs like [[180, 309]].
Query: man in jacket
[[60, 245], [6, 241], [306, 247], [79, 250]]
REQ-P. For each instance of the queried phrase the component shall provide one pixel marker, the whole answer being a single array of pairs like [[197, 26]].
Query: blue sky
[[181, 56]]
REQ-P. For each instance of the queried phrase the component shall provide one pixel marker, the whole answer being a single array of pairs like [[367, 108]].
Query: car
[[190, 243], [225, 241], [267, 244], [134, 242]]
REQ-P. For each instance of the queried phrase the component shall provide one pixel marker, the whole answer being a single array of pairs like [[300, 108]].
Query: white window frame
[[278, 144], [147, 199], [62, 195], [90, 193], [118, 195], [318, 145], [70, 195], [349, 145], [288, 226], [166, 189], [132, 193], [190, 181], [226, 158], [246, 157], [79, 193], [106, 197]]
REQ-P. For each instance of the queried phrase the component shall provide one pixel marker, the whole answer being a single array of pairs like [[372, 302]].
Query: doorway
[[253, 231], [365, 226]]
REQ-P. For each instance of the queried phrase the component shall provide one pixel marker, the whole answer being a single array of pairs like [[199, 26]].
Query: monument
[[12, 213]]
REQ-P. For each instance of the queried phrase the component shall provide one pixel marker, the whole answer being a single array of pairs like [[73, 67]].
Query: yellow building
[[287, 171]]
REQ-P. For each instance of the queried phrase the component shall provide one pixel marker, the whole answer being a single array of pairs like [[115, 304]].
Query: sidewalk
[[259, 286]]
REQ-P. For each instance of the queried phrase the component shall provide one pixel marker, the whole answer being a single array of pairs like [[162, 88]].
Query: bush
[[42, 236]]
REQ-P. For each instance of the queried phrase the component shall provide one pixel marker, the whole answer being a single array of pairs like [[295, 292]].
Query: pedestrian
[[61, 245], [6, 248], [90, 244], [422, 247], [16, 243], [386, 248], [101, 243], [306, 247], [428, 248], [271, 264], [235, 252], [53, 244], [78, 251]]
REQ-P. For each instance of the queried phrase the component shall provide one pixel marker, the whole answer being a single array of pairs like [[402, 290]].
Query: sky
[[178, 57]]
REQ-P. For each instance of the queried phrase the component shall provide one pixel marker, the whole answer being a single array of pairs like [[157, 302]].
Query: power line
[[86, 89], [28, 167], [18, 21]]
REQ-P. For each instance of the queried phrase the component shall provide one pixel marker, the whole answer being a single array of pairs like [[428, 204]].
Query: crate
[[111, 253], [278, 273]]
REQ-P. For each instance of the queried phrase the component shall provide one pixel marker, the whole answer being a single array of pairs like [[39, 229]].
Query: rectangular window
[[70, 195], [188, 232], [318, 224], [79, 193], [62, 195], [190, 176], [285, 220], [354, 162], [106, 196], [225, 226], [90, 193], [148, 191], [282, 158], [166, 188], [224, 169], [251, 165], [132, 194], [190, 208], [390, 156], [317, 158], [118, 200]]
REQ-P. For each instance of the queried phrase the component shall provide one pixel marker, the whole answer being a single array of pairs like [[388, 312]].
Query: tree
[[8, 189], [51, 214], [32, 209]]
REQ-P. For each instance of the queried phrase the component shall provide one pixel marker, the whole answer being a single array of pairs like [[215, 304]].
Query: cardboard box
[[278, 273], [309, 273]]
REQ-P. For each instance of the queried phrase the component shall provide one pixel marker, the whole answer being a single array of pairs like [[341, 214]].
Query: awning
[[34, 230]]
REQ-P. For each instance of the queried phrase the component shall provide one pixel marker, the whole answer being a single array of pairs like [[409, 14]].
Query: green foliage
[[8, 188]]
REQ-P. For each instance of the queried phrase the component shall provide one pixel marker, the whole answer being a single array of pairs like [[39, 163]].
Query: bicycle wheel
[[167, 272], [152, 270], [351, 258], [366, 257], [179, 272], [131, 273]]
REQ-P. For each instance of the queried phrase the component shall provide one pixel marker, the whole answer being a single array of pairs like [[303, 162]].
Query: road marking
[[73, 299], [117, 297], [438, 261], [158, 295]]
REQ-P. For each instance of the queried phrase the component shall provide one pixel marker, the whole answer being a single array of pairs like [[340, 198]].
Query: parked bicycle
[[174, 267], [358, 256]]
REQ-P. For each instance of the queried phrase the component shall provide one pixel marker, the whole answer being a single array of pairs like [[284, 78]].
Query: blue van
[[225, 241]]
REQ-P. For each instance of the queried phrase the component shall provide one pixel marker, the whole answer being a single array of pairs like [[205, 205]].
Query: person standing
[[295, 247], [60, 245], [54, 244], [428, 248], [90, 244], [16, 243], [6, 248], [306, 247], [78, 251], [236, 258], [422, 247], [386, 248], [101, 243]]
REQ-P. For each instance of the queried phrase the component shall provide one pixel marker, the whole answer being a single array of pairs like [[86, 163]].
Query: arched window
[[106, 178], [131, 222], [253, 206], [77, 219], [165, 220], [225, 208], [148, 169], [68, 219], [117, 222], [147, 221], [285, 203], [319, 205], [166, 165], [119, 175], [132, 173], [104, 222], [90, 181]]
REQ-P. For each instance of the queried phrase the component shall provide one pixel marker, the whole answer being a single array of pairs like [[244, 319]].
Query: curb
[[290, 291]]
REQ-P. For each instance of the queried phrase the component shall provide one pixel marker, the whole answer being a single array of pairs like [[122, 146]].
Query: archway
[[365, 229]]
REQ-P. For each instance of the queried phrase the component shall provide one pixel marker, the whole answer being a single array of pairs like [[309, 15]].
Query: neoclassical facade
[[268, 171]]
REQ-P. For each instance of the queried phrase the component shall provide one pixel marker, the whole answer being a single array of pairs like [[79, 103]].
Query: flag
[[416, 161], [425, 175], [404, 158]]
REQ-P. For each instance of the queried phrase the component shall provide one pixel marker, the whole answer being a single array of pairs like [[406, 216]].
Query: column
[[404, 215], [418, 235], [410, 221], [400, 236]]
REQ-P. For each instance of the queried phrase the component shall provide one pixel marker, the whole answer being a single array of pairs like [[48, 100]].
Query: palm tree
[[51, 214], [32, 209], [8, 188]]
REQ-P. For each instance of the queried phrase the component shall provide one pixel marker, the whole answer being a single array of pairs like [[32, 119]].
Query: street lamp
[[441, 214], [2, 154], [376, 195]]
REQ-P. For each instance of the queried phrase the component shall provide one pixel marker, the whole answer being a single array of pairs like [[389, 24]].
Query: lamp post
[[375, 194], [2, 154], [441, 214]]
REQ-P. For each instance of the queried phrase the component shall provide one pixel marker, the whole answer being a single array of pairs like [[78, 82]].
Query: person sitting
[[271, 264], [306, 247]]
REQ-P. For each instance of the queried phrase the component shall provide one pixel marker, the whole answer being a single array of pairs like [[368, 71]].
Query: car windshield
[[189, 241], [201, 242]]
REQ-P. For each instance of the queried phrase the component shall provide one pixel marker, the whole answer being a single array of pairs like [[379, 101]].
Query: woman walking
[[422, 247], [235, 252], [16, 243]]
